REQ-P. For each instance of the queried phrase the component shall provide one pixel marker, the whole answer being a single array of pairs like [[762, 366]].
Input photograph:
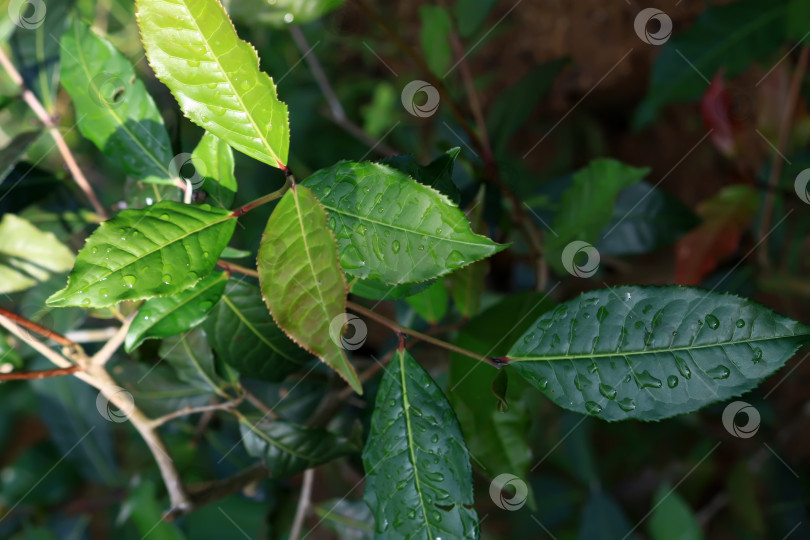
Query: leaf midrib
[[274, 442], [411, 444], [409, 231], [248, 112], [110, 110], [653, 351]]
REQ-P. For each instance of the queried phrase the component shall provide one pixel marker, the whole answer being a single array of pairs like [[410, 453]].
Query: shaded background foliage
[[577, 77]]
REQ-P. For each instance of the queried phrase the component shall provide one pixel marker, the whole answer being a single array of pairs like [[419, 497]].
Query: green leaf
[[164, 317], [194, 50], [603, 518], [671, 517], [471, 14], [301, 280], [348, 519], [280, 13], [392, 228], [438, 174], [8, 355], [434, 35], [157, 251], [587, 206], [497, 440], [28, 255], [35, 50], [288, 448], [114, 109], [419, 479], [15, 150], [728, 37], [213, 161], [645, 218], [191, 357], [503, 117], [144, 508], [233, 253], [244, 335], [467, 285], [653, 352], [377, 290], [430, 304]]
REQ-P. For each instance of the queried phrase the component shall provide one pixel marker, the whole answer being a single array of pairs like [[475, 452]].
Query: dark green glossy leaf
[[288, 448], [377, 290], [213, 162], [430, 304], [438, 174], [158, 251], [113, 108], [244, 335], [587, 206], [471, 14], [654, 352], [164, 317], [728, 37], [394, 229], [215, 77], [191, 357], [419, 479], [28, 255], [301, 279], [671, 517], [434, 35], [467, 285], [144, 508], [645, 218]]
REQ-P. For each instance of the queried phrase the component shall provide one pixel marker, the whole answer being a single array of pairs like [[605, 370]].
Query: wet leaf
[[213, 162], [157, 251], [301, 280], [419, 479]]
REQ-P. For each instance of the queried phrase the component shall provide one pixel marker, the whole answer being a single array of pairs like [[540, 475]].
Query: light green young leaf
[[164, 317], [191, 357], [587, 206], [194, 50], [157, 251], [28, 255], [213, 162], [430, 304], [245, 337], [288, 448], [114, 109], [653, 352], [419, 478], [392, 228], [301, 280]]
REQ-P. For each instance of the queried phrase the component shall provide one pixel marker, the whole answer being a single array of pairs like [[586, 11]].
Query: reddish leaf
[[716, 108], [725, 217]]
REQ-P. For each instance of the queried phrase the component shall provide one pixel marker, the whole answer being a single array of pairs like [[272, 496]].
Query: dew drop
[[672, 381], [593, 407], [206, 305], [646, 380], [104, 292], [395, 246], [713, 322], [627, 404], [601, 314], [167, 279], [757, 355], [455, 260], [607, 391], [94, 250], [683, 368], [542, 384], [351, 259], [740, 323], [719, 372], [86, 302], [581, 382], [129, 281]]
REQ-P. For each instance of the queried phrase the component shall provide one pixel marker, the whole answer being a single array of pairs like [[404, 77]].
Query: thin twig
[[259, 404], [39, 329], [109, 348], [33, 102], [239, 212], [208, 492], [776, 167], [303, 504], [396, 327], [42, 374], [337, 113], [236, 268], [194, 410]]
